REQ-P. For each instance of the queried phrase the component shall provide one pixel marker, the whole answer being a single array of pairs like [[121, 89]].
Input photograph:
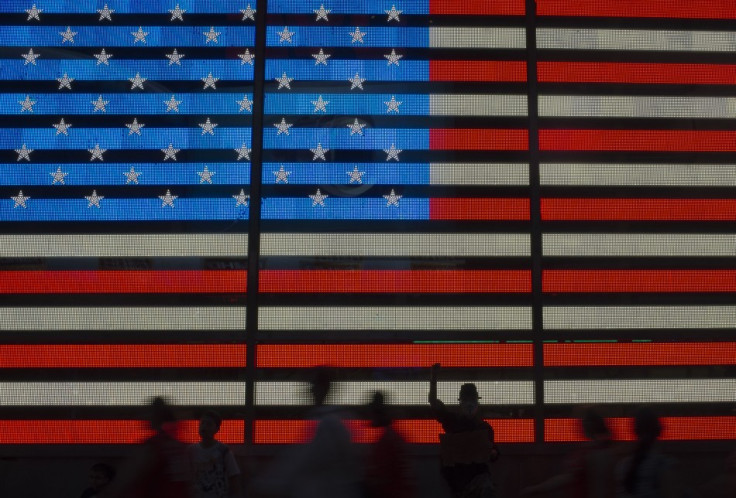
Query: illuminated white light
[[640, 391], [395, 318], [477, 38], [120, 393], [123, 318], [638, 317], [478, 105], [614, 174], [636, 107], [269, 393], [638, 244], [479, 174], [122, 246], [636, 39], [397, 245]]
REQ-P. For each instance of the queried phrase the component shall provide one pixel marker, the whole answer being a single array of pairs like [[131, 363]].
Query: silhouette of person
[[216, 473], [467, 447], [100, 475]]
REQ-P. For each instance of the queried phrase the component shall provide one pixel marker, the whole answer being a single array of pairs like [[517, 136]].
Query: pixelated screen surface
[[554, 222]]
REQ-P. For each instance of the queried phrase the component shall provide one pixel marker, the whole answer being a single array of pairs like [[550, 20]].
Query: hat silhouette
[[469, 390]]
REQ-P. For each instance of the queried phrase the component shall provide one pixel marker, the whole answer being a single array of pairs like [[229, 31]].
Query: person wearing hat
[[466, 447]]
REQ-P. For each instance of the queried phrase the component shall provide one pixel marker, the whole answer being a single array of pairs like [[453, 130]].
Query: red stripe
[[563, 430], [477, 71], [478, 7], [123, 356], [478, 139], [479, 209], [414, 431], [633, 354], [394, 281], [694, 9], [122, 282], [639, 281], [104, 431], [394, 355], [638, 140], [638, 209], [634, 72]]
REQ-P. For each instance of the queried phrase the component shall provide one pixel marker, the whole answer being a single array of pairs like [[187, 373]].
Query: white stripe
[[689, 175], [269, 393], [478, 105], [479, 174], [123, 318], [477, 38], [123, 246], [639, 317], [394, 245], [395, 318], [120, 393], [640, 391], [635, 244], [637, 107], [636, 39]]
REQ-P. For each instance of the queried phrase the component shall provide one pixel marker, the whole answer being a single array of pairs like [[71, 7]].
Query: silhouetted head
[[646, 424], [594, 425], [469, 399], [321, 381], [209, 425], [100, 475], [160, 413], [378, 411]]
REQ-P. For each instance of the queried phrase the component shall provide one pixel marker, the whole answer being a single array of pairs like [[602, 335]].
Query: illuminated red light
[[566, 209], [640, 354], [693, 9], [639, 281]]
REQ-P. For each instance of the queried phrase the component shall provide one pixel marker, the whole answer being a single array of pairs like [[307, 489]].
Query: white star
[[208, 127], [96, 153], [243, 153], [94, 199], [170, 152], [318, 198], [393, 58], [355, 175], [168, 199], [211, 35], [320, 104], [284, 81], [30, 57], [103, 57], [62, 127], [282, 175], [283, 127], [357, 82], [139, 36], [134, 127], [100, 104], [245, 104], [68, 35], [356, 127], [321, 58], [393, 153], [393, 14], [285, 35], [241, 199], [206, 175], [27, 104], [58, 176], [392, 199], [393, 105], [248, 13], [175, 58], [177, 13], [20, 199], [137, 81], [357, 35], [105, 13], [65, 82], [319, 152], [172, 104], [321, 13], [246, 58], [131, 176], [209, 81], [33, 13], [24, 153]]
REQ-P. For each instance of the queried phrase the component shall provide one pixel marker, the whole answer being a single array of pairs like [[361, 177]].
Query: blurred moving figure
[[216, 473]]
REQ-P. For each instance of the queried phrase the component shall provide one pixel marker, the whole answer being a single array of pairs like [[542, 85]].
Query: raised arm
[[432, 398]]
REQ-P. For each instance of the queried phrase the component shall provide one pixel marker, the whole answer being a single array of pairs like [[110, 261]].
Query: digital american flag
[[541, 201]]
